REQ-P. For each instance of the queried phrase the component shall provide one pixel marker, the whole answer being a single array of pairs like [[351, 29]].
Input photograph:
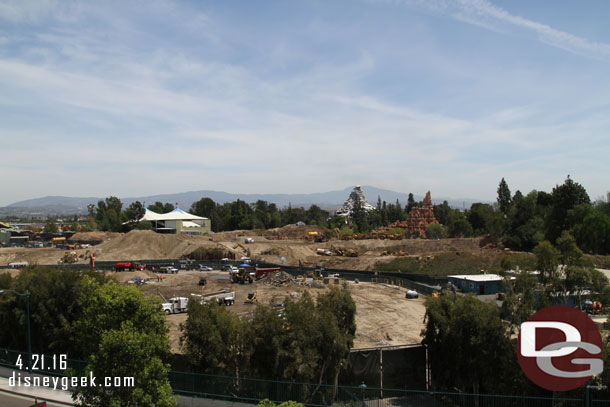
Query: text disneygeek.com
[[64, 383]]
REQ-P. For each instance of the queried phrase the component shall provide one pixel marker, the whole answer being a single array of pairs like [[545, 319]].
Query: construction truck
[[58, 241], [128, 265], [175, 305], [242, 275], [223, 297]]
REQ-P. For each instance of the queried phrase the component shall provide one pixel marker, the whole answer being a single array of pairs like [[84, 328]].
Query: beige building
[[178, 221]]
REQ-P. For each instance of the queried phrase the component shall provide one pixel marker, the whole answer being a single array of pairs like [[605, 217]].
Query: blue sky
[[133, 98]]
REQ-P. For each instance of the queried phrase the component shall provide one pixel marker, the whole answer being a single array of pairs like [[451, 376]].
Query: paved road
[[12, 400]]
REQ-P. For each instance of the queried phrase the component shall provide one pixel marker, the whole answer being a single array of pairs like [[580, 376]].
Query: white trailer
[[223, 297]]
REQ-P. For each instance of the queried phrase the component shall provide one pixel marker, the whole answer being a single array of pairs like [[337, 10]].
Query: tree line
[[516, 220]]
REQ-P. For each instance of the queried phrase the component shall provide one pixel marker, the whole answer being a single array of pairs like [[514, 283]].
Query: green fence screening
[[250, 390]]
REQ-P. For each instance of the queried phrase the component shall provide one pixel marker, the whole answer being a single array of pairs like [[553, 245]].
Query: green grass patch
[[442, 264]]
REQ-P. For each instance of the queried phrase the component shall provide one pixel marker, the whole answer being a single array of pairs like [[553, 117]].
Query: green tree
[[55, 298], [459, 225], [436, 231], [520, 299], [50, 227], [410, 203], [565, 198], [267, 338], [129, 352], [524, 226], [359, 216], [160, 207], [216, 340], [443, 213], [480, 217], [547, 260], [108, 214], [504, 199], [203, 207], [122, 333], [594, 234], [569, 253], [134, 212], [463, 335]]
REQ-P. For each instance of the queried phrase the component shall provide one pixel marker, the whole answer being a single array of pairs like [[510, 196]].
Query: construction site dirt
[[299, 250], [384, 316]]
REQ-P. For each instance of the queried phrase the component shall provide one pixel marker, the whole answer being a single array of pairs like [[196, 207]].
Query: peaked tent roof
[[176, 214]]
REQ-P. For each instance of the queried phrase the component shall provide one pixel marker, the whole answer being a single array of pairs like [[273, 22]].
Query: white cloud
[[485, 14]]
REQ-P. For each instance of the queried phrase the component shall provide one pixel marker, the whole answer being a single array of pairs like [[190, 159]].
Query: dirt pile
[[93, 237], [146, 244], [294, 232], [277, 279]]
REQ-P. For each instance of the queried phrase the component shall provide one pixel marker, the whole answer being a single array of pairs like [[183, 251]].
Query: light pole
[[27, 308]]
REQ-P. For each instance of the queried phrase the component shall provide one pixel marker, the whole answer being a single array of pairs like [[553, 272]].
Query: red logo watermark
[[560, 348]]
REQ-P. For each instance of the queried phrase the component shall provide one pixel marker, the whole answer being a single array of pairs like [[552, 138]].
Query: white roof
[[479, 277], [176, 214]]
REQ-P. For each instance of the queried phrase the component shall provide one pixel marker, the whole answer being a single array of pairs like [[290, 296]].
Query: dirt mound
[[294, 232], [146, 244], [92, 237], [277, 279]]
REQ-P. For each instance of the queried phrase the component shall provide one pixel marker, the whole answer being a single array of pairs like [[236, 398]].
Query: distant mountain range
[[62, 205]]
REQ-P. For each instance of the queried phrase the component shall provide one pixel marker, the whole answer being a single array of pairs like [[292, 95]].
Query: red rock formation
[[419, 219]]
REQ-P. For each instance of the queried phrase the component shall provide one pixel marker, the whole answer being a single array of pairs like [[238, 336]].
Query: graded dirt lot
[[384, 316]]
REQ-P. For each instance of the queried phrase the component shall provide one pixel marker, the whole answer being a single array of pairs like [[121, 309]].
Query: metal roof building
[[480, 284], [178, 221]]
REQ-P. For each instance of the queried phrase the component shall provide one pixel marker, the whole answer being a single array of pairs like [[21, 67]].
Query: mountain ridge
[[50, 205]]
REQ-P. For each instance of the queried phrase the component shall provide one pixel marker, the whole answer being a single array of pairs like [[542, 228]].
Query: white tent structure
[[178, 221]]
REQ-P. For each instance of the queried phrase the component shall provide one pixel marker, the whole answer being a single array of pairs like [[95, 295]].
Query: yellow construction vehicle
[[241, 276], [69, 258], [251, 298]]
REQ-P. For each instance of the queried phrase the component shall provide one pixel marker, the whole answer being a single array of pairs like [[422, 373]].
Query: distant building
[[355, 196], [178, 222], [480, 284]]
